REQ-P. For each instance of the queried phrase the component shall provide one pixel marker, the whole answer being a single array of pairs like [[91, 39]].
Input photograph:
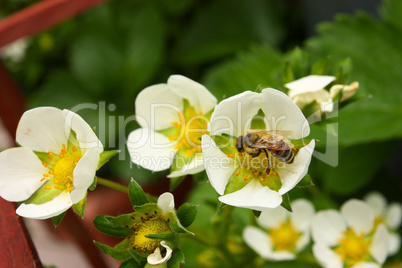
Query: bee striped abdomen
[[282, 152]]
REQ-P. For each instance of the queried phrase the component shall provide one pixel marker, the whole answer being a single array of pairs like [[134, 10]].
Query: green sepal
[[138, 257], [136, 194], [305, 182], [219, 207], [299, 63], [94, 184], [237, 182], [273, 182], [105, 157], [256, 213], [320, 67], [119, 252], [225, 143], [79, 208], [311, 109], [186, 214], [300, 143], [57, 219], [164, 236], [258, 121], [176, 226], [115, 226], [176, 181], [131, 264], [176, 259], [44, 157], [286, 202], [338, 96]]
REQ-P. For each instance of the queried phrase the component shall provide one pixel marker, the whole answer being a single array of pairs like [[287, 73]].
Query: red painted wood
[[12, 103], [39, 17], [16, 247]]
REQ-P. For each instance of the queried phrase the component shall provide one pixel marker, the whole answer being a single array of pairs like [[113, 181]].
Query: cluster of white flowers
[[362, 234]]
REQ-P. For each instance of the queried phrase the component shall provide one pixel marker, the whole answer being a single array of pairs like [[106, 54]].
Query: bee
[[268, 142]]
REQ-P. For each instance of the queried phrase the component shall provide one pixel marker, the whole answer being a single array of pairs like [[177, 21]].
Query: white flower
[[390, 215], [286, 234], [347, 238], [312, 88], [16, 50], [69, 153], [241, 179], [307, 89], [172, 117]]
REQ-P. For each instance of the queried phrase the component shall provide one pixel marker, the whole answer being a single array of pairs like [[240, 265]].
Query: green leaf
[[79, 208], [105, 157], [299, 63], [57, 219], [140, 258], [107, 225], [358, 165], [376, 117], [320, 67], [305, 182], [164, 236], [176, 259], [119, 252], [136, 194], [186, 214], [286, 202]]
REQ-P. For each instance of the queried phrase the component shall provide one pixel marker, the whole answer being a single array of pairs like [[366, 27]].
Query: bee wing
[[264, 143], [282, 133]]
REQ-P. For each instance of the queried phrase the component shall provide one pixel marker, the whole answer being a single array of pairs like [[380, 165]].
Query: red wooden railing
[[16, 247]]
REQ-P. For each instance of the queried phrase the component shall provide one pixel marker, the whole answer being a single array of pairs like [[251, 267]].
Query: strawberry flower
[[54, 166], [242, 179], [172, 117]]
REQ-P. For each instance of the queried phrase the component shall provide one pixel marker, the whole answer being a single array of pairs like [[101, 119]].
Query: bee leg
[[255, 154], [268, 170]]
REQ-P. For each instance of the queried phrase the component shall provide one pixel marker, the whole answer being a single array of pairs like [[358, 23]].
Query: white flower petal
[[282, 113], [43, 129], [196, 165], [273, 218], [258, 240], [393, 216], [253, 196], [394, 243], [292, 174], [377, 202], [327, 227], [84, 174], [20, 174], [303, 241], [84, 134], [47, 210], [303, 212], [358, 215], [379, 244], [326, 257], [198, 96], [233, 115], [166, 202], [321, 96], [156, 257], [157, 106], [309, 83], [150, 149], [366, 265], [219, 167]]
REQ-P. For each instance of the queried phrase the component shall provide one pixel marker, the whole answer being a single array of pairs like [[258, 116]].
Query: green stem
[[113, 185]]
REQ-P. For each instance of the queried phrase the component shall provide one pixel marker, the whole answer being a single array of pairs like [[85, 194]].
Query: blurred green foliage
[[113, 51]]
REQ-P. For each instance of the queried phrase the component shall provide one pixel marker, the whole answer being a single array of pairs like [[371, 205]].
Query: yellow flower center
[[148, 245], [189, 131], [353, 248], [284, 237], [61, 169]]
